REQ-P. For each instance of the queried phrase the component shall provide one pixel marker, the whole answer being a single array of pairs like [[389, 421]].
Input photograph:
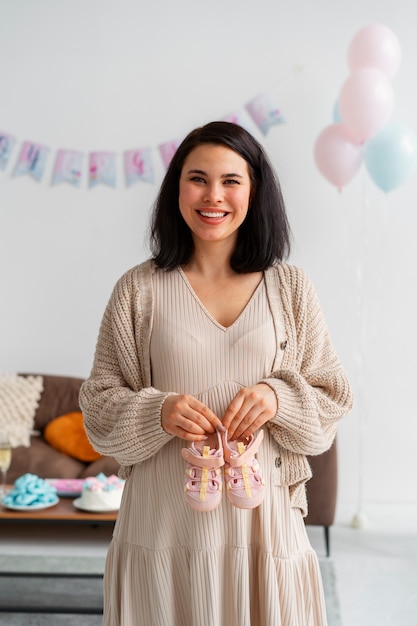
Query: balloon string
[[360, 271], [361, 340], [354, 271]]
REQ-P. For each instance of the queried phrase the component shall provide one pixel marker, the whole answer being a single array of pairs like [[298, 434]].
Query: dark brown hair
[[263, 237]]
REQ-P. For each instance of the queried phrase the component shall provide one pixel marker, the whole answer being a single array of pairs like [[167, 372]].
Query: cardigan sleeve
[[312, 388], [122, 412]]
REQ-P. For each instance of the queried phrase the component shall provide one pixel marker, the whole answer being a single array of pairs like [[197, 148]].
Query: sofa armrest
[[322, 488]]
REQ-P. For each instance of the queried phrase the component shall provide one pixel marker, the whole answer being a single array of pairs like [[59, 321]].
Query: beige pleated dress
[[171, 566]]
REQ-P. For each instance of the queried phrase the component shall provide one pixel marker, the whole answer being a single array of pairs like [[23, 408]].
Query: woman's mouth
[[212, 214]]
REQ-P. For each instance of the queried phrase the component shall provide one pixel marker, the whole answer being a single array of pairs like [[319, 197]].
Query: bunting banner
[[167, 151], [102, 169], [6, 148], [137, 163], [68, 168], [264, 112], [31, 161], [138, 166]]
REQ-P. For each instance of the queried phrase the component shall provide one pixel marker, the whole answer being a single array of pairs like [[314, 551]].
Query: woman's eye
[[197, 179], [231, 181]]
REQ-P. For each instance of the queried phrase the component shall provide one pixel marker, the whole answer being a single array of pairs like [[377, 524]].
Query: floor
[[376, 571], [376, 568]]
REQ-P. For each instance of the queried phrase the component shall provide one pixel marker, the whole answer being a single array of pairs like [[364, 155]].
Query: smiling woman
[[214, 377]]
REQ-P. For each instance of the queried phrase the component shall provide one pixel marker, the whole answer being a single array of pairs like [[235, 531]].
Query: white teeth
[[211, 214]]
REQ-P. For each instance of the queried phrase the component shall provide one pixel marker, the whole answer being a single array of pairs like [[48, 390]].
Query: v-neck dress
[[169, 565]]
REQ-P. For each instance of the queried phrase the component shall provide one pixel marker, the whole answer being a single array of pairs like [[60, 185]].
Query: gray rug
[[88, 591], [331, 594], [59, 591]]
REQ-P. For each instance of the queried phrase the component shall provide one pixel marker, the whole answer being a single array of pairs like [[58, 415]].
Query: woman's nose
[[213, 193]]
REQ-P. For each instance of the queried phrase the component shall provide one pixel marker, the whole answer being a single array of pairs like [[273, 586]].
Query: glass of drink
[[5, 459]]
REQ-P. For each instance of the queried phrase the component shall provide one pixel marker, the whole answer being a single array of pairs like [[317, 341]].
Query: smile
[[211, 214]]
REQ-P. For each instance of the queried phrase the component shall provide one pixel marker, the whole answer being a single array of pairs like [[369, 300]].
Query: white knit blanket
[[19, 399]]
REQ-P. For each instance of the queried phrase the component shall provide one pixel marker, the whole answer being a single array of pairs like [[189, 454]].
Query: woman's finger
[[249, 425], [249, 410], [185, 414]]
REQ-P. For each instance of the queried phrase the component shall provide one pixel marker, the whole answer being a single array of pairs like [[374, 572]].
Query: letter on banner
[[6, 147], [138, 166], [167, 151], [264, 112], [32, 160], [68, 167], [102, 169]]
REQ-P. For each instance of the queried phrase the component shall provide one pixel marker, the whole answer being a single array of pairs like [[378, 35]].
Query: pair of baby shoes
[[203, 476]]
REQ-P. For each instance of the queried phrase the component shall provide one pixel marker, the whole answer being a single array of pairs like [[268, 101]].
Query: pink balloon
[[337, 158], [375, 46], [366, 102]]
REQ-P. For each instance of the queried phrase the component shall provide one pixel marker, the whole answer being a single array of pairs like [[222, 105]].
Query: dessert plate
[[30, 507], [79, 505]]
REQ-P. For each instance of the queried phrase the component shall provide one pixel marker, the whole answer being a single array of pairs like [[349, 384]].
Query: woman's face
[[214, 195]]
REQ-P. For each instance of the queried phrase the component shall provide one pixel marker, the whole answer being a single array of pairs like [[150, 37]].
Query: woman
[[202, 348]]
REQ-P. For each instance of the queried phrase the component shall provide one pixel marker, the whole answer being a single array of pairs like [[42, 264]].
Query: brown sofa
[[322, 492], [60, 396]]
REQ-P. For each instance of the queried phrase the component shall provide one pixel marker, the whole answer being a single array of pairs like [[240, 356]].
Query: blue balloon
[[391, 156], [337, 118]]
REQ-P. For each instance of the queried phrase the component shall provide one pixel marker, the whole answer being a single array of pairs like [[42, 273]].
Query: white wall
[[111, 75]]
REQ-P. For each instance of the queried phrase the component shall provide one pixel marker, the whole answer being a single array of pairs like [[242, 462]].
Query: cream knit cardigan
[[122, 411]]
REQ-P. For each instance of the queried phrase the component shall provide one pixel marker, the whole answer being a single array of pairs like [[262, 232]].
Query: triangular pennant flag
[[102, 169], [68, 167], [265, 112], [167, 151], [32, 160], [138, 166], [7, 143]]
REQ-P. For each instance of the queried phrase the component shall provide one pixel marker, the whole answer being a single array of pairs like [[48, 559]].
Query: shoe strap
[[248, 454], [244, 469], [199, 461]]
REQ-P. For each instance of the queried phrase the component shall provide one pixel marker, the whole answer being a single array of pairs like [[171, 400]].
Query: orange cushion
[[67, 435]]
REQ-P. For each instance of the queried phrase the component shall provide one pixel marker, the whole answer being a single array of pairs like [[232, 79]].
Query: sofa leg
[[327, 539]]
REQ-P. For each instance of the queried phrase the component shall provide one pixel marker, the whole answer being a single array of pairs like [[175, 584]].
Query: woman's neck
[[211, 261]]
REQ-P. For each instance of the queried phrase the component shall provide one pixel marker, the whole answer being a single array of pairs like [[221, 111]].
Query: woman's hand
[[250, 409], [186, 417]]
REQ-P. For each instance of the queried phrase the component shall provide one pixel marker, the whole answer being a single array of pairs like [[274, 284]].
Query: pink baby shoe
[[245, 487], [203, 480]]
